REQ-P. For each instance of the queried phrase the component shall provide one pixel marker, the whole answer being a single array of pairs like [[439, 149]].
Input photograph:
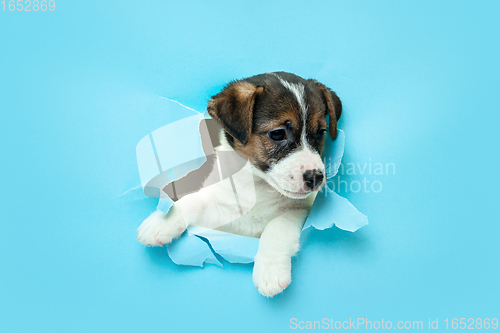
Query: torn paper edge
[[193, 248]]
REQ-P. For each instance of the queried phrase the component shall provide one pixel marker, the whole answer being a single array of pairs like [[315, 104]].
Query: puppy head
[[278, 121]]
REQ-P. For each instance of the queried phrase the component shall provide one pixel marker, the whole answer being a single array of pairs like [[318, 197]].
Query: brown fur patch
[[334, 107], [255, 149], [250, 109], [233, 109]]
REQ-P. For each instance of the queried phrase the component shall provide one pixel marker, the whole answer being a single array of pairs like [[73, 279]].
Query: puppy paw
[[159, 229], [272, 275]]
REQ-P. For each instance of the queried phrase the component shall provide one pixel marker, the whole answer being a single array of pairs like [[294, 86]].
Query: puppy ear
[[333, 107], [233, 109]]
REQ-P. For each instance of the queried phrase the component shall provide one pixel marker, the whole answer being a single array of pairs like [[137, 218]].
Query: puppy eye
[[277, 135], [320, 134]]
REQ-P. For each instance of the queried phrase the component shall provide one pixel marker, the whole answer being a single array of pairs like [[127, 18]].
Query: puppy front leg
[[206, 208], [278, 244], [159, 229]]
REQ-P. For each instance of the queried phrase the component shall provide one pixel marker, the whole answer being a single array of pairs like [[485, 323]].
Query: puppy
[[277, 121]]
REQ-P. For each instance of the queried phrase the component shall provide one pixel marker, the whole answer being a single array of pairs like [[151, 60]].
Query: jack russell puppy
[[276, 121]]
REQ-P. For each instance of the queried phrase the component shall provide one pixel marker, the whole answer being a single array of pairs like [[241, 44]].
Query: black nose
[[313, 178]]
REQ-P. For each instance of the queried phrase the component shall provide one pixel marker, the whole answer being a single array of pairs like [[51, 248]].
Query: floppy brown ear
[[233, 109], [333, 107]]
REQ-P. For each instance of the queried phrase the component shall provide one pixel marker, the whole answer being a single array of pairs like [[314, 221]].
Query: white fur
[[298, 90], [159, 229], [275, 218], [286, 176]]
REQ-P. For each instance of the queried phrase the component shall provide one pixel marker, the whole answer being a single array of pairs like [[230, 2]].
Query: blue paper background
[[78, 89]]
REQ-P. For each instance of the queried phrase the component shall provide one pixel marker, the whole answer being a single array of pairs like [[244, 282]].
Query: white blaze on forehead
[[287, 174], [298, 90]]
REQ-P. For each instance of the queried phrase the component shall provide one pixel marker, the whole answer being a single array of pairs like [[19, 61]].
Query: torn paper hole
[[177, 159]]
